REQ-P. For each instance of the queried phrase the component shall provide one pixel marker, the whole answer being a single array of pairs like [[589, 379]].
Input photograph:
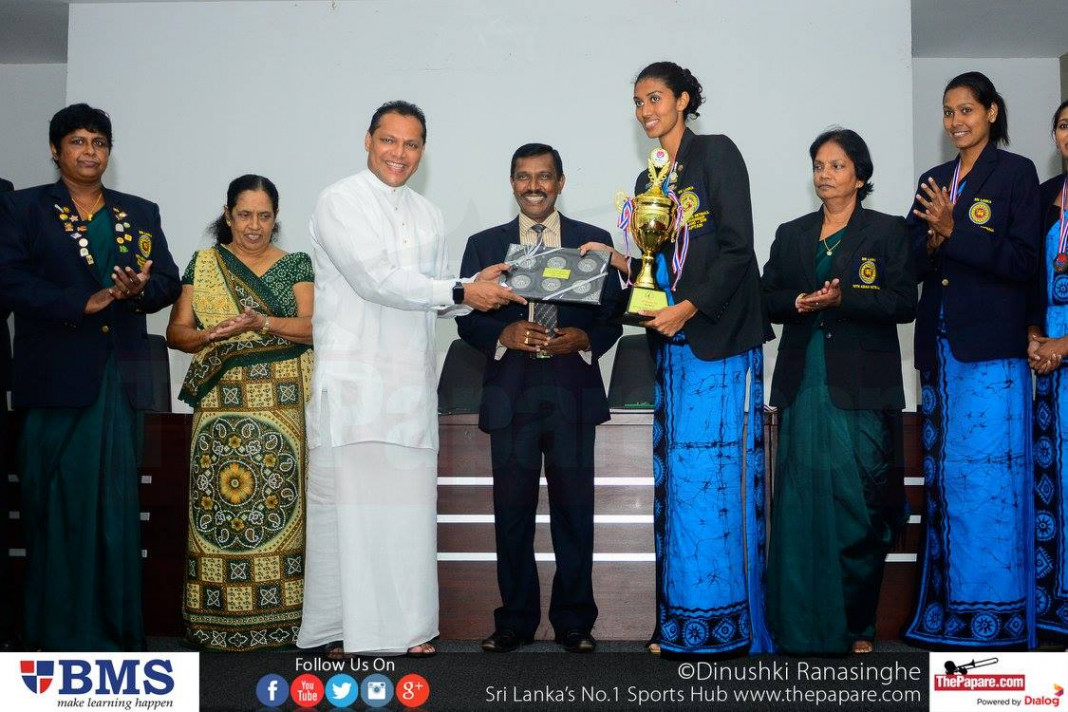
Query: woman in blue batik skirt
[[708, 466], [1047, 348], [977, 245]]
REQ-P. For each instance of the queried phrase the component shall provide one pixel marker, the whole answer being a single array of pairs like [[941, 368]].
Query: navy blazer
[[581, 395], [982, 276], [862, 354], [60, 352], [1049, 193], [721, 276]]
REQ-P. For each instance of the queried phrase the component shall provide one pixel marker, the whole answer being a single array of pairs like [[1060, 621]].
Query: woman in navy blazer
[[707, 346], [977, 244], [80, 266], [839, 280]]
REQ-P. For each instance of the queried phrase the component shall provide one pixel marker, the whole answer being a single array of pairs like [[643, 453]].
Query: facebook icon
[[272, 690]]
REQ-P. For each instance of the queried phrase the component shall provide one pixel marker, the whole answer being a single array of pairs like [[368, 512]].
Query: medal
[[1060, 263]]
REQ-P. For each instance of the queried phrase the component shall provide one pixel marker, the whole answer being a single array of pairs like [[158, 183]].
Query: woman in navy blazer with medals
[[977, 244], [1047, 347], [839, 281], [708, 465], [80, 266]]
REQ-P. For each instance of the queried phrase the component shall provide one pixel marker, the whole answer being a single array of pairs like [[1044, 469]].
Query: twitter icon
[[342, 690]]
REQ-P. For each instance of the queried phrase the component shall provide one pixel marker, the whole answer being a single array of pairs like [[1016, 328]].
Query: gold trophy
[[654, 222]]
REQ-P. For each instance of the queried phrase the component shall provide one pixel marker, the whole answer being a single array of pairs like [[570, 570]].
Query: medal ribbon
[[954, 187], [625, 215], [681, 227], [1062, 244], [682, 242]]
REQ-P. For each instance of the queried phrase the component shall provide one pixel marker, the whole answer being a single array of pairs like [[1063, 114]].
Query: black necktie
[[544, 312]]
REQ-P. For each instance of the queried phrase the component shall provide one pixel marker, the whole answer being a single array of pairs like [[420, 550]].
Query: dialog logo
[[272, 690], [342, 690], [1045, 700], [306, 690], [376, 690], [37, 674]]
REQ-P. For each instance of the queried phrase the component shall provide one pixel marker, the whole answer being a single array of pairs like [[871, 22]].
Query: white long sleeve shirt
[[380, 260]]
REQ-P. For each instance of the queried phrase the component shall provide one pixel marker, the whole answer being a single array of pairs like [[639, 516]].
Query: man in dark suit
[[542, 397], [7, 631]]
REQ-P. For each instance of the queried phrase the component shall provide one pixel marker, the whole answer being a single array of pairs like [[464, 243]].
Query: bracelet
[[266, 325]]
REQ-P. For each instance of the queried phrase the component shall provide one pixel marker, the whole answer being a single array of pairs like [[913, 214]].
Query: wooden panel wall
[[623, 564], [623, 567]]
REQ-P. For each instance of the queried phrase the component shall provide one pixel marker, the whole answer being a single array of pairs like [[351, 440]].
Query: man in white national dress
[[380, 259]]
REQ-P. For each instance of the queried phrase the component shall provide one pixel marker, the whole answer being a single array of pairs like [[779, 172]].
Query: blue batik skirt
[[978, 556], [708, 467], [1051, 456]]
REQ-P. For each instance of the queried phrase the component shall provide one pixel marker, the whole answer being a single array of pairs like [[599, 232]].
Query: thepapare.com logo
[[110, 682]]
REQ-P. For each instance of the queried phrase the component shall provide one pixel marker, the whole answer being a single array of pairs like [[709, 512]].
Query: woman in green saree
[[245, 315], [839, 281]]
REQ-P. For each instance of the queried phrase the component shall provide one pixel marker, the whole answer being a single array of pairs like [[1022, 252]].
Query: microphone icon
[[962, 669]]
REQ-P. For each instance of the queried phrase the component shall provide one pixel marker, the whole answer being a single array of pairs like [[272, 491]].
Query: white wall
[[1031, 88], [29, 95], [202, 92]]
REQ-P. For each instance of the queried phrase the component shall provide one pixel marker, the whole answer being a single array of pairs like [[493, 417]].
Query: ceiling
[[989, 28], [35, 31]]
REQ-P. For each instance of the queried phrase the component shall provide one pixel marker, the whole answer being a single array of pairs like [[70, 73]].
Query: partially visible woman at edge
[[245, 315], [708, 468], [80, 266], [1047, 348], [839, 280], [977, 244]]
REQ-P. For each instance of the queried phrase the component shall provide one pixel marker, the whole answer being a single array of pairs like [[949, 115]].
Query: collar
[[989, 153], [858, 219], [392, 194], [688, 138], [61, 193], [551, 223]]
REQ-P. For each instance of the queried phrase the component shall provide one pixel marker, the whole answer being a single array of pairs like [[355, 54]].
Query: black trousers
[[517, 454]]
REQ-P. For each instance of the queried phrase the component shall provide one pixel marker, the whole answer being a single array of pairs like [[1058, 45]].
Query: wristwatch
[[458, 293]]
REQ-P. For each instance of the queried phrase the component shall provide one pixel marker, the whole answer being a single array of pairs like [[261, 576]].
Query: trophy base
[[642, 299]]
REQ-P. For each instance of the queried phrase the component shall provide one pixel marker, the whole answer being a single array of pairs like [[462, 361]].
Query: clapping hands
[[827, 296], [248, 320]]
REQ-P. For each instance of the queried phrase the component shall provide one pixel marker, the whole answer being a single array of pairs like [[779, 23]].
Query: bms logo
[[100, 677], [37, 674]]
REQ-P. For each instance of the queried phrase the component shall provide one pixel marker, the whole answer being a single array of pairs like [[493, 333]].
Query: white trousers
[[371, 577]]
